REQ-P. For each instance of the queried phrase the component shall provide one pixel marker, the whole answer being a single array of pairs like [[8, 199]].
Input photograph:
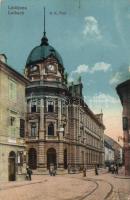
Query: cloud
[[91, 28], [118, 23], [100, 66], [101, 100], [104, 98], [81, 69], [115, 79], [121, 75], [1, 1], [70, 78]]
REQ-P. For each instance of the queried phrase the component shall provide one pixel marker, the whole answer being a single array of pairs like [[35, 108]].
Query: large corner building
[[61, 129]]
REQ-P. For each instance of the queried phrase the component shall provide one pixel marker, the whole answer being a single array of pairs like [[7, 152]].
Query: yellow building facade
[[12, 123]]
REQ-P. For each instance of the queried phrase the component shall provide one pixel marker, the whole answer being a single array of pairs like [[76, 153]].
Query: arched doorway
[[12, 166], [65, 159], [32, 158], [51, 157]]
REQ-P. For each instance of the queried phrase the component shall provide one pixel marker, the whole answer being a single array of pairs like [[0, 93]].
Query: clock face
[[33, 68], [51, 68]]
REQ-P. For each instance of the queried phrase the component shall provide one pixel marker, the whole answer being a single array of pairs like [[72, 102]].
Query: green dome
[[42, 52]]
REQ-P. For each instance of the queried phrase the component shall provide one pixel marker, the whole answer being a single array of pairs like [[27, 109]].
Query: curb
[[122, 177], [20, 185]]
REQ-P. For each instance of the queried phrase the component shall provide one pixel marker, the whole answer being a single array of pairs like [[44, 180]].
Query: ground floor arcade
[[62, 156]]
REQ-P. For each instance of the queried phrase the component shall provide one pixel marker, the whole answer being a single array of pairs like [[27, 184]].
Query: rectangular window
[[12, 126], [63, 107], [50, 106], [12, 121], [34, 107], [22, 128], [33, 129], [125, 123], [12, 90]]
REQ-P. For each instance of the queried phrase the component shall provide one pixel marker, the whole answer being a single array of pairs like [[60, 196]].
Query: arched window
[[12, 166], [50, 106], [51, 129]]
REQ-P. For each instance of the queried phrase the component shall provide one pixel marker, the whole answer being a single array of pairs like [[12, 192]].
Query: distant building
[[113, 147], [109, 153], [123, 91], [12, 122]]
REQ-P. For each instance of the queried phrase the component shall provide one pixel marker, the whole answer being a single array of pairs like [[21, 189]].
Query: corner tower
[[46, 107]]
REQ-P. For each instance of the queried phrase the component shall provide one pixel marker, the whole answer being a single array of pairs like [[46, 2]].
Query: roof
[[14, 72], [108, 145], [42, 52], [111, 141], [119, 88]]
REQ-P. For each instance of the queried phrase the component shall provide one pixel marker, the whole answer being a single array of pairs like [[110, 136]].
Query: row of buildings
[[44, 120], [114, 153]]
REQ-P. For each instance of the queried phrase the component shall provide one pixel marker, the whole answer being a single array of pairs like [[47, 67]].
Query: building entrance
[[12, 166], [51, 157], [65, 159], [32, 158]]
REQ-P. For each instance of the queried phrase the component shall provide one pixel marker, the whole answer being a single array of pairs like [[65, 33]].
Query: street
[[68, 187]]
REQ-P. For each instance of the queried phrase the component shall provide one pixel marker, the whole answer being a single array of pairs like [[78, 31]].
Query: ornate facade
[[61, 129]]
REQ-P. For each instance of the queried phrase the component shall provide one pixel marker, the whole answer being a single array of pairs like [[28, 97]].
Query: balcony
[[52, 137], [31, 138]]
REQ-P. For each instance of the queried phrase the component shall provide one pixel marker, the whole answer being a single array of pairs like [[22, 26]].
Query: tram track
[[89, 194]]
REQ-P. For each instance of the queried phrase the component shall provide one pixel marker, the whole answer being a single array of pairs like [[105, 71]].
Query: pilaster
[[41, 157], [41, 130], [61, 156]]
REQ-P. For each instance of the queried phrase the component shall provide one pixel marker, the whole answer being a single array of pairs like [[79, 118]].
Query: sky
[[92, 37]]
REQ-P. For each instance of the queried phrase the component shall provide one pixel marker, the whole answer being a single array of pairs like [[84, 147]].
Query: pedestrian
[[29, 173], [68, 168], [116, 169], [112, 169], [96, 170], [84, 172], [51, 170], [54, 171]]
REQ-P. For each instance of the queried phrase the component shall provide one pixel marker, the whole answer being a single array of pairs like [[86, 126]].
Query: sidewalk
[[4, 185]]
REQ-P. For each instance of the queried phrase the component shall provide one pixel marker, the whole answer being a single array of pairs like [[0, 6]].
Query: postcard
[[64, 99]]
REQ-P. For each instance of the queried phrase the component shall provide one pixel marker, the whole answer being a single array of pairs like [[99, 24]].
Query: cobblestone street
[[67, 187]]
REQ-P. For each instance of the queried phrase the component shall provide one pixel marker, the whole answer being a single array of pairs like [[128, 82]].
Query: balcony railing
[[52, 137]]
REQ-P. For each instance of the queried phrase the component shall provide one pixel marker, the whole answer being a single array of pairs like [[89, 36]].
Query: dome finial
[[44, 22], [44, 40]]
